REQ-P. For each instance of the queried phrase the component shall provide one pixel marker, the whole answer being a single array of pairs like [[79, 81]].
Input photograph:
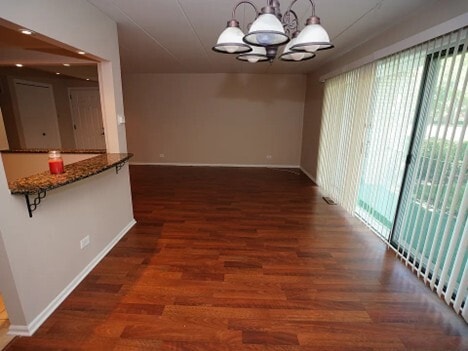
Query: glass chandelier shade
[[289, 55], [230, 40], [313, 37], [258, 54], [266, 30]]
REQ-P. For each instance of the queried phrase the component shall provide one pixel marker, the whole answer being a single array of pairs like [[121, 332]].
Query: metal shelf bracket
[[35, 202], [119, 166]]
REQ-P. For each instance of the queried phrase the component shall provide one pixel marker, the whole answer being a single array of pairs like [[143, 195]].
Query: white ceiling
[[168, 36]]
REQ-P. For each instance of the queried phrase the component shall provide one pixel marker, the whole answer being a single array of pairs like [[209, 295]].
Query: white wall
[[41, 258], [233, 119], [429, 22]]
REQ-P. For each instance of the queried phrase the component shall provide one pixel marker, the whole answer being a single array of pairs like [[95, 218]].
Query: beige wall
[[311, 126], [41, 260], [431, 21], [235, 119], [3, 136], [9, 119]]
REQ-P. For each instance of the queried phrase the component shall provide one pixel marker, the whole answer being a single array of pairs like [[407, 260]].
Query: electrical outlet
[[269, 157], [84, 242], [162, 155]]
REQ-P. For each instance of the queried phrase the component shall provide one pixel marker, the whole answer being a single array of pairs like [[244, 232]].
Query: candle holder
[[55, 162]]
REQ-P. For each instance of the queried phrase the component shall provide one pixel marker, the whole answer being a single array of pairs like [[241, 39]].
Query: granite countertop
[[73, 172], [45, 151]]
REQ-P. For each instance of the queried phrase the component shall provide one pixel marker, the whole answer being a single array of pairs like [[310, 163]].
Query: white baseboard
[[182, 164], [19, 330], [30, 329], [308, 175]]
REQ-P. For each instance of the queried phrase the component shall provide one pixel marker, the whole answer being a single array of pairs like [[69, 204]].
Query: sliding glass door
[[395, 96], [403, 165], [431, 229]]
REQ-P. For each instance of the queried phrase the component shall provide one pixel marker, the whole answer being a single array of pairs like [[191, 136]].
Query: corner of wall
[[7, 286], [311, 126]]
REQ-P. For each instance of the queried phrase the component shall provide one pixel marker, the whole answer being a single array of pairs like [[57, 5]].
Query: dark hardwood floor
[[246, 259]]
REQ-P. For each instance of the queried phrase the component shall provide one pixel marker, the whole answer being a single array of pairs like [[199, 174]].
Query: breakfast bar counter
[[74, 172], [38, 184]]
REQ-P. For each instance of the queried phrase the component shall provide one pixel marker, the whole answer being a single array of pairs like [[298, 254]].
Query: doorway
[[85, 105]]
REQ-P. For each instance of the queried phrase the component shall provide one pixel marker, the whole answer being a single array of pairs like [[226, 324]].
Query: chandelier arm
[[244, 2], [313, 8], [294, 1], [290, 6]]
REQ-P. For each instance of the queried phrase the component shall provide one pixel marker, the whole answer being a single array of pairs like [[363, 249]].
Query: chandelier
[[270, 30]]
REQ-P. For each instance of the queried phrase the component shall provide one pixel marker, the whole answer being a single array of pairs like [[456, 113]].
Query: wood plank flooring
[[246, 259]]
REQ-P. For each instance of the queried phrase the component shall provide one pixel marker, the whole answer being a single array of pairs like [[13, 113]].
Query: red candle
[[56, 166], [55, 162]]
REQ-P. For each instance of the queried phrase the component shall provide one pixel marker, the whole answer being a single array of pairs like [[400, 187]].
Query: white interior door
[[85, 105], [38, 116]]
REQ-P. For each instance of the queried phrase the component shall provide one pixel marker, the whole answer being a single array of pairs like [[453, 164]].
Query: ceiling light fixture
[[81, 53], [269, 31], [26, 31], [66, 64], [58, 73], [19, 65]]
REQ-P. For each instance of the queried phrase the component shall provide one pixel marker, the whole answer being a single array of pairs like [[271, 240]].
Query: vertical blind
[[346, 104], [408, 179], [431, 234], [396, 87]]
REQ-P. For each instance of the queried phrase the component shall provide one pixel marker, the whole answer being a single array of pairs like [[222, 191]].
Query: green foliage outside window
[[445, 152]]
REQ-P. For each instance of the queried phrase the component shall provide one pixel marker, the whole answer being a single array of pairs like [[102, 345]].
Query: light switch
[[120, 119]]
